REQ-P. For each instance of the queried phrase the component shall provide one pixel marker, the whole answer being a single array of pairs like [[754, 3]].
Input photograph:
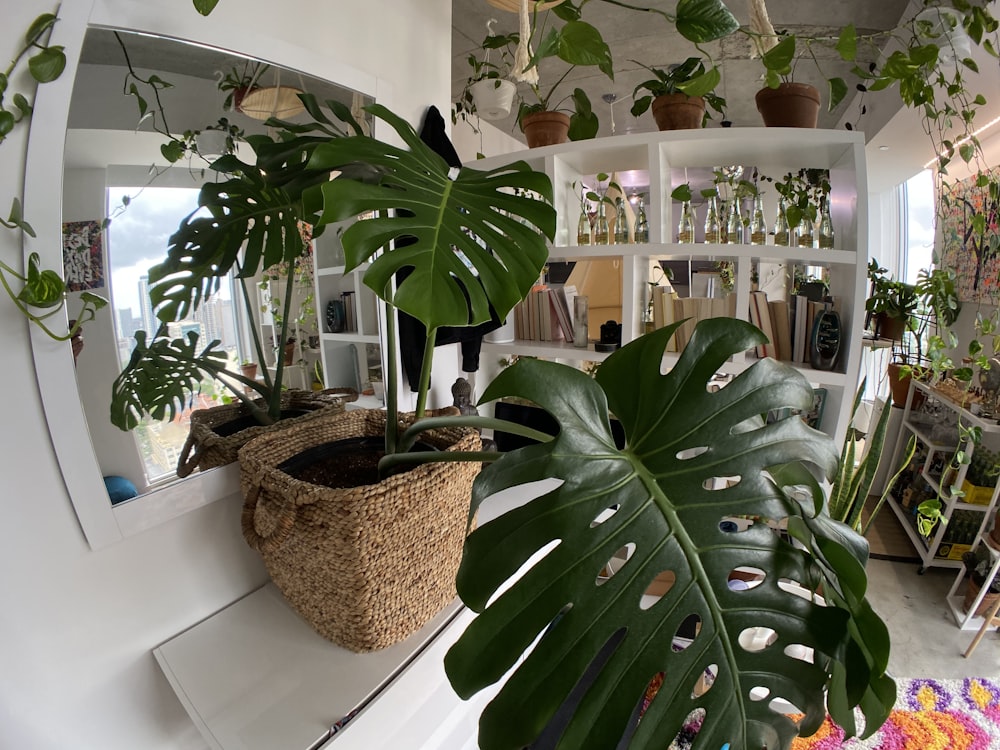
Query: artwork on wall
[[976, 263], [83, 255]]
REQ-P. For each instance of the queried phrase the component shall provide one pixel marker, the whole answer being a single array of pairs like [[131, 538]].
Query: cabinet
[[655, 163], [929, 476]]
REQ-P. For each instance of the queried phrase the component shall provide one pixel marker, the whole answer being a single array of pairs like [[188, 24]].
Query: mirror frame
[[102, 523]]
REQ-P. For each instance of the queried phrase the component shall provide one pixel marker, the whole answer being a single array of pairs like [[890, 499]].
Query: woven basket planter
[[206, 449], [364, 566]]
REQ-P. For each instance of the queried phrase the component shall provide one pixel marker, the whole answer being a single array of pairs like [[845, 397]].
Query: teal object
[[824, 343]]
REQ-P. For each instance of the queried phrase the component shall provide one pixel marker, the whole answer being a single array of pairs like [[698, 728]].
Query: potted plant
[[679, 96], [488, 93], [978, 563], [576, 42], [890, 302]]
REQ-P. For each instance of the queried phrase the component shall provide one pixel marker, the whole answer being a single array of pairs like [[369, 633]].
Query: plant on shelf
[[576, 43], [892, 303], [694, 85], [977, 564]]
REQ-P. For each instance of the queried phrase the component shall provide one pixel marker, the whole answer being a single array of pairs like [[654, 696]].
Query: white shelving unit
[[969, 620], [346, 356], [927, 549], [668, 159]]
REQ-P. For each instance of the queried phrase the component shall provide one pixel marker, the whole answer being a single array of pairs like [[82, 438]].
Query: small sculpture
[[461, 392]]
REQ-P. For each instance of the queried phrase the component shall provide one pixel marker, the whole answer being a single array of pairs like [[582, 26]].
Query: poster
[[974, 259], [83, 256]]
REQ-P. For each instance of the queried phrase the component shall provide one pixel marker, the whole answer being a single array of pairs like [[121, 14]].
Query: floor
[[926, 642]]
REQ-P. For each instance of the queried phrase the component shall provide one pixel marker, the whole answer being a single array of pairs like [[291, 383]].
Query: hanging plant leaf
[[704, 20]]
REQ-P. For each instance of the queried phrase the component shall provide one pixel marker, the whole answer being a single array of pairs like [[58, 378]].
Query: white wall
[[77, 626]]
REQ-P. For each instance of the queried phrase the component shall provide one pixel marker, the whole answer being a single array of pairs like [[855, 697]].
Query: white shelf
[[967, 620]]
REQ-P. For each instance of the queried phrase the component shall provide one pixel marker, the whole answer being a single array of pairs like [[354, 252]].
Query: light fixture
[[883, 148], [963, 141]]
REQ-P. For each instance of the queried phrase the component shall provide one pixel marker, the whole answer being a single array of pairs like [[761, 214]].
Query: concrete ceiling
[[651, 40]]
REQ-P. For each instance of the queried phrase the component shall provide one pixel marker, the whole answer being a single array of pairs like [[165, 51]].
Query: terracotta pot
[[545, 128], [971, 592], [900, 386], [791, 105], [289, 353], [678, 112], [887, 327]]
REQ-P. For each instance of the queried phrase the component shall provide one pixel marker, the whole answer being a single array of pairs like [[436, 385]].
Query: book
[[800, 338], [782, 329], [557, 301], [760, 316], [667, 310]]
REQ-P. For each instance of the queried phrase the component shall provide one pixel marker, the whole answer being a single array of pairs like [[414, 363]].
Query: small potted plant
[[488, 92], [679, 96], [542, 120], [978, 563]]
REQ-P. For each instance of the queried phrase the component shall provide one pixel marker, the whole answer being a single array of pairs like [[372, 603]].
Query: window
[[917, 246], [138, 238]]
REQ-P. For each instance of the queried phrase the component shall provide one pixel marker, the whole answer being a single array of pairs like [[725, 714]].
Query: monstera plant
[[602, 645]]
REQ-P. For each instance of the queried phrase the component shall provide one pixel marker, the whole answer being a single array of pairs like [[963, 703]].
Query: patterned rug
[[929, 715]]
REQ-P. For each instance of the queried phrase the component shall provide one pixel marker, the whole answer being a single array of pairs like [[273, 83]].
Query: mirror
[[104, 155]]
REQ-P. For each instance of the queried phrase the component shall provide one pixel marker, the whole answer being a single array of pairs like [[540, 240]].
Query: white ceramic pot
[[493, 97]]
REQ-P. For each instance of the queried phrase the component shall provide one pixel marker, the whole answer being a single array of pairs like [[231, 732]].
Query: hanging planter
[[493, 97], [790, 105]]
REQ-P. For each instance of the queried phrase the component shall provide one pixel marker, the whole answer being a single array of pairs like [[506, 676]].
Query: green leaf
[[704, 20], [847, 43], [22, 104], [653, 498], [43, 288], [703, 84], [967, 151], [838, 90], [47, 65], [7, 122], [583, 123], [681, 193], [95, 300], [16, 218], [579, 43], [162, 378], [172, 151], [439, 213], [778, 59], [39, 26], [205, 6]]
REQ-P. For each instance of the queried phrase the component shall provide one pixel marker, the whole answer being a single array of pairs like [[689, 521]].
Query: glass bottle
[[825, 226], [712, 227], [601, 230], [621, 223], [583, 229], [806, 231], [685, 225], [758, 227], [781, 225], [734, 223], [641, 230]]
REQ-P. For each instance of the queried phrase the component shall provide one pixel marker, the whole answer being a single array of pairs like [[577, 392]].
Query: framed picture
[[83, 255]]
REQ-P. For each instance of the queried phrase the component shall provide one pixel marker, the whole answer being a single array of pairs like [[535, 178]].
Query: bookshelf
[[656, 163]]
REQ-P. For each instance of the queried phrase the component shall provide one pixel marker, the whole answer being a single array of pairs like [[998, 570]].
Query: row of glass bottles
[[731, 228], [600, 233]]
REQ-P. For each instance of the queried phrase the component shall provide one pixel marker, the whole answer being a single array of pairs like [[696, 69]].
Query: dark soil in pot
[[352, 462], [241, 423]]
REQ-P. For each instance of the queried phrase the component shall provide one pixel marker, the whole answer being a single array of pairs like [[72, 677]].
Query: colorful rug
[[929, 715]]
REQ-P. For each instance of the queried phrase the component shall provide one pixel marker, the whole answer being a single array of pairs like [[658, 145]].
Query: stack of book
[[668, 308], [546, 314], [787, 324]]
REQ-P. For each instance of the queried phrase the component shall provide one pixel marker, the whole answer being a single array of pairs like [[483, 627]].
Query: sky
[[138, 237]]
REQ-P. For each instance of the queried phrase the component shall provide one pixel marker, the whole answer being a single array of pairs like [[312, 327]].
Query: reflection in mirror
[[146, 118]]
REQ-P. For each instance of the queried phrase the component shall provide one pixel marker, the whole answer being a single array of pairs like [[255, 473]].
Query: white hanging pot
[[493, 97], [943, 26]]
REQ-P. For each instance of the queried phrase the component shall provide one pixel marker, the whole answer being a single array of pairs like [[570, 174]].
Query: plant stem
[[391, 381], [257, 344], [425, 373]]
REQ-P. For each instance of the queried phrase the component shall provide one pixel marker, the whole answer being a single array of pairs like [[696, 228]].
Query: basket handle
[[186, 465], [284, 522]]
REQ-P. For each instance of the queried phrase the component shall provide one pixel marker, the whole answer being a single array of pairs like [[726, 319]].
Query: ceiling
[[648, 38]]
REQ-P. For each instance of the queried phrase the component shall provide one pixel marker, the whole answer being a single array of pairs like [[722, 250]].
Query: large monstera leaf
[[653, 498], [161, 378], [432, 211]]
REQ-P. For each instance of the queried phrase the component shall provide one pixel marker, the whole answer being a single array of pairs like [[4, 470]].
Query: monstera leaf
[[161, 378], [459, 231], [659, 502]]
